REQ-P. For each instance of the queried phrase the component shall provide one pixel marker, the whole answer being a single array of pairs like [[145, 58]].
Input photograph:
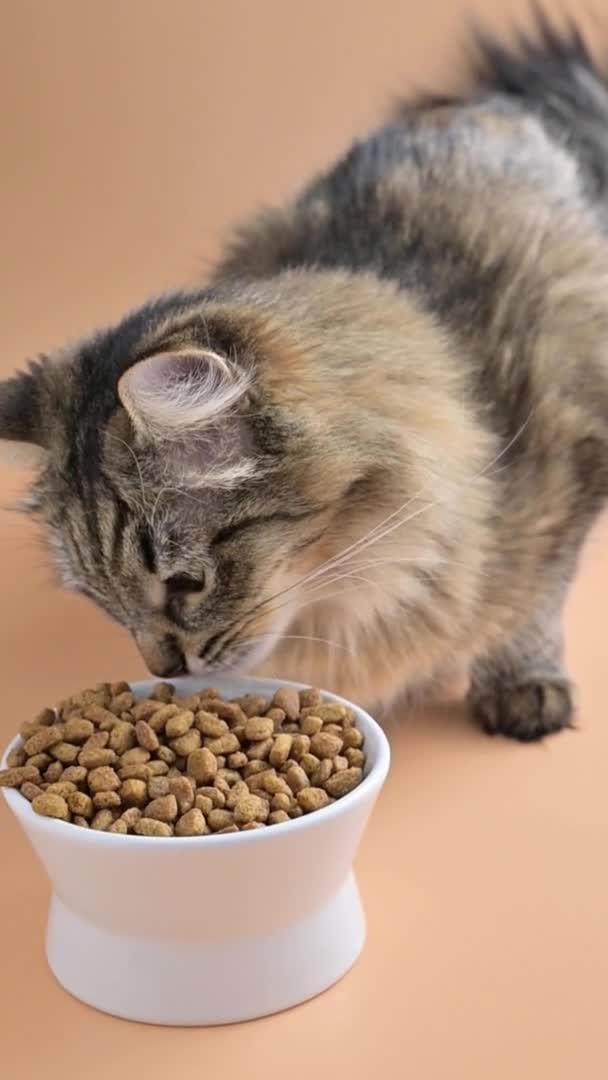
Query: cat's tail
[[550, 71]]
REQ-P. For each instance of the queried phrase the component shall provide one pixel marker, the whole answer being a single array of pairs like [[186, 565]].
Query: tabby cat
[[368, 451]]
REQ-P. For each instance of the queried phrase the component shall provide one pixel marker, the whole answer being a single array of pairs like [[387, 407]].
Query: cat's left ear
[[22, 440], [172, 396]]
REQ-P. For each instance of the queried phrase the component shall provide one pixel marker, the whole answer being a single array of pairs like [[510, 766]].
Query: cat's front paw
[[525, 710]]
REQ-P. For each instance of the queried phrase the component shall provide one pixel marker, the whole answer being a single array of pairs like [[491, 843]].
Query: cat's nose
[[163, 657]]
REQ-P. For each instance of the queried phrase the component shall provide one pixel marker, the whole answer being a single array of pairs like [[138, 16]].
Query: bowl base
[[192, 983]]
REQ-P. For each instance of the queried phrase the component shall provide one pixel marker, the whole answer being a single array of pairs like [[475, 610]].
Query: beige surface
[[132, 132]]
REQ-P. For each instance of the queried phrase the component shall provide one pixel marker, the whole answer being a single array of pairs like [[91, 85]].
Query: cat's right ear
[[21, 435]]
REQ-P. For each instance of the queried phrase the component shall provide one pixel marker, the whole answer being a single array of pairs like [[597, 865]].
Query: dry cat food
[[169, 766]]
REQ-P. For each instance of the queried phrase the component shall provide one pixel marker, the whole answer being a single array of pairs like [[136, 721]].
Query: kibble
[[49, 805], [186, 767]]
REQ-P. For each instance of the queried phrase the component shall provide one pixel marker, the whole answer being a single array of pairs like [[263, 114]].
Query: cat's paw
[[526, 710]]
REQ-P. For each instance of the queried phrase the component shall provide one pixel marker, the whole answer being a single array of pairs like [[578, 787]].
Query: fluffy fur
[[368, 451]]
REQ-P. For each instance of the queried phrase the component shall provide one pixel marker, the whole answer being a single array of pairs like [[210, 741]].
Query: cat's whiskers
[[384, 528], [297, 637]]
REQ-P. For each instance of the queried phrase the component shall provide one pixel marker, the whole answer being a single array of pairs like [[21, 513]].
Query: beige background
[[132, 132]]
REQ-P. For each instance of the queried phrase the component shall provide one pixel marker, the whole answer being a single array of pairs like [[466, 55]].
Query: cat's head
[[186, 476]]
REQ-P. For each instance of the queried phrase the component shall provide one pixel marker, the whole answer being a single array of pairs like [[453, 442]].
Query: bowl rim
[[371, 784]]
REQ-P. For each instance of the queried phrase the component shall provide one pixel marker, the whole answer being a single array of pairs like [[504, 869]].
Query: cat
[[368, 450]]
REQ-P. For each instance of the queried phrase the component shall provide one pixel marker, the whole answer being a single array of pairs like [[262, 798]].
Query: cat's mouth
[[240, 658]]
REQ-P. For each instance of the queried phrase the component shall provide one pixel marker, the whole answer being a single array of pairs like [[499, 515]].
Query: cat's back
[[456, 184]]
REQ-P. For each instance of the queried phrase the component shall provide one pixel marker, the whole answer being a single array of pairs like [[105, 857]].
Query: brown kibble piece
[[122, 703], [77, 730], [192, 823], [309, 763], [310, 699], [119, 826], [300, 746], [30, 791], [106, 800], [186, 744], [217, 797], [239, 791], [281, 801], [151, 827], [228, 710], [137, 756], [65, 752], [163, 809], [254, 767], [146, 737], [259, 751], [98, 715], [322, 772], [16, 758], [158, 786], [134, 793], [103, 779], [15, 777], [205, 804], [166, 754], [95, 758], [352, 739], [228, 829], [219, 819], [202, 765], [51, 806], [80, 804], [312, 798], [144, 710], [296, 778], [54, 772], [226, 744], [181, 787], [250, 808], [40, 761], [63, 788], [157, 768], [43, 740], [237, 760], [311, 725], [211, 725], [278, 718], [98, 740], [102, 820], [340, 763], [131, 815], [342, 782], [163, 692], [277, 817], [257, 728], [135, 772], [253, 705], [76, 774], [80, 821], [325, 745], [275, 785], [355, 757], [288, 700], [122, 737], [179, 724]]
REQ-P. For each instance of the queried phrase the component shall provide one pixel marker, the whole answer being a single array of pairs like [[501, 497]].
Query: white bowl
[[208, 930]]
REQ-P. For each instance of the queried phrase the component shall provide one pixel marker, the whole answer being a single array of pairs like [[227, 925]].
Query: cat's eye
[[183, 583]]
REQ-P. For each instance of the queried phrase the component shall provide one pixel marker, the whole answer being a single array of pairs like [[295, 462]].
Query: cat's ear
[[21, 434], [171, 396]]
